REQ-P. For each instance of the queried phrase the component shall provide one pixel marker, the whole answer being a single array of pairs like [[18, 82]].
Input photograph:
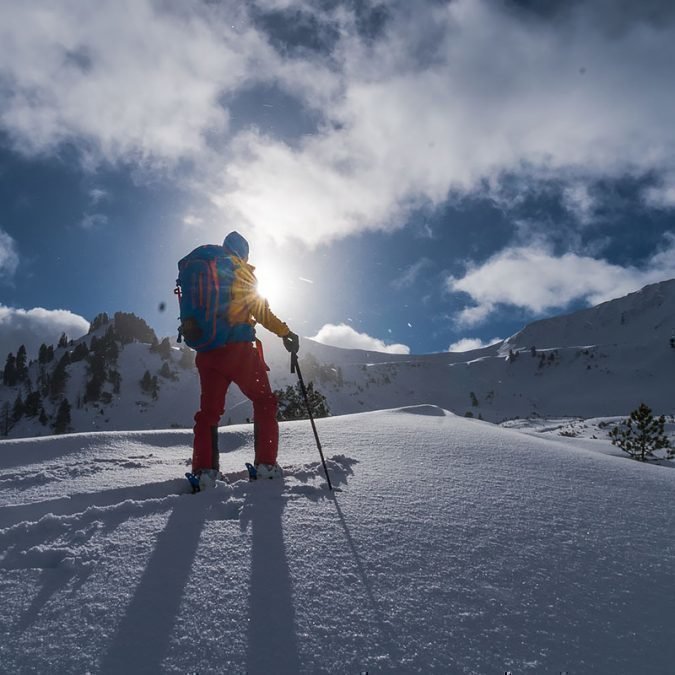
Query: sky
[[412, 177]]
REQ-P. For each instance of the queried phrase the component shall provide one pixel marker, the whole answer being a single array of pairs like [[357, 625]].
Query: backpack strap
[[261, 353]]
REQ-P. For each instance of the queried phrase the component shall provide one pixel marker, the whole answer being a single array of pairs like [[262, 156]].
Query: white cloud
[[97, 195], [578, 200], [192, 221], [130, 80], [93, 221], [432, 108], [32, 327], [426, 108], [469, 344], [411, 273], [9, 256], [535, 279], [345, 336], [662, 195]]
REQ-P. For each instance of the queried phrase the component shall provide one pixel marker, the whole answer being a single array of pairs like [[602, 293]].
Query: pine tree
[[641, 435], [107, 346], [292, 404], [99, 320], [80, 352], [21, 364], [97, 375], [62, 421], [166, 372], [150, 384], [6, 418], [43, 381], [130, 327], [115, 378], [187, 359], [9, 377], [18, 409], [164, 349], [32, 404], [63, 341], [146, 381], [59, 377]]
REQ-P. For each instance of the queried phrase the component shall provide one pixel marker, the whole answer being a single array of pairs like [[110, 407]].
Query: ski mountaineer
[[239, 360]]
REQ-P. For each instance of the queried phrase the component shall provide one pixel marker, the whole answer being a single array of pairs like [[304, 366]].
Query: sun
[[271, 284]]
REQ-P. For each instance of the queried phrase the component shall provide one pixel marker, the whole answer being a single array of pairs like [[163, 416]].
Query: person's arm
[[246, 303], [260, 309]]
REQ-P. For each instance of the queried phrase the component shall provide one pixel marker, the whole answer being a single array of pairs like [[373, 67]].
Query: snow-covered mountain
[[600, 361], [456, 546]]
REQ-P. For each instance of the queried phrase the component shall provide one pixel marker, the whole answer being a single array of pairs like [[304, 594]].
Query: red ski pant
[[241, 363]]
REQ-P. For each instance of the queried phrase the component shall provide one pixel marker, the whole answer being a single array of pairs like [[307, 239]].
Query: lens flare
[[271, 285]]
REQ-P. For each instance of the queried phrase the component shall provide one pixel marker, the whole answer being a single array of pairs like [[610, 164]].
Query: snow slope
[[602, 361], [454, 547]]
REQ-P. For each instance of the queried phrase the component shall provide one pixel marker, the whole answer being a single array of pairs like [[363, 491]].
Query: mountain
[[601, 361], [455, 546]]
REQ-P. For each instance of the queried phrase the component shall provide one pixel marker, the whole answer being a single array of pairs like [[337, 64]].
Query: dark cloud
[[612, 15], [296, 32], [316, 27]]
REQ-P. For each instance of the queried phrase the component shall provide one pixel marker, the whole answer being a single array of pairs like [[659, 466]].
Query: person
[[239, 360]]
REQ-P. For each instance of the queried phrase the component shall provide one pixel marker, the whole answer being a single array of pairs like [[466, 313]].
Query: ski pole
[[295, 368]]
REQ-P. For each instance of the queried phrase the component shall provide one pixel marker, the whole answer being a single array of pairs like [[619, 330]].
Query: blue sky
[[412, 176]]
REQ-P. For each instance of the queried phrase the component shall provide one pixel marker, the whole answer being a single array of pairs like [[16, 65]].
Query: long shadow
[[50, 586], [272, 639], [144, 633], [389, 641]]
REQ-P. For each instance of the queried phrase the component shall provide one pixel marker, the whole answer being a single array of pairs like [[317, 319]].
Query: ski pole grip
[[294, 362]]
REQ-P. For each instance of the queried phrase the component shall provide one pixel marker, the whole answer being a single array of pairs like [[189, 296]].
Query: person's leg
[[251, 378], [214, 384]]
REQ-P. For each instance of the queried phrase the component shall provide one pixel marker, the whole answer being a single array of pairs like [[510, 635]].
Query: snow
[[601, 361], [454, 546]]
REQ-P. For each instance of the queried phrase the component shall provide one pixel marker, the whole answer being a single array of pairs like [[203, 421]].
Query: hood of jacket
[[236, 244]]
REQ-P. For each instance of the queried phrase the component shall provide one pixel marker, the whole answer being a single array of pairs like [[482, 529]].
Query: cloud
[[32, 327], [97, 195], [9, 256], [662, 196], [430, 109], [535, 279], [93, 221], [133, 80], [345, 336], [578, 200], [469, 344], [192, 221], [420, 108], [410, 274]]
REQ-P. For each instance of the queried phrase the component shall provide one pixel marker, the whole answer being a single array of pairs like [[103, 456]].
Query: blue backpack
[[204, 288]]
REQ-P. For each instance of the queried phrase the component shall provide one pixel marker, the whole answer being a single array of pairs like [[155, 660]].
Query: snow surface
[[455, 546]]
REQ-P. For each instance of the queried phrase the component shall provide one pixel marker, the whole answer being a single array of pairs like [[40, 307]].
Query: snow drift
[[454, 546]]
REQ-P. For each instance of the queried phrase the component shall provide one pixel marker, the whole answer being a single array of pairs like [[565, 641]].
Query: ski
[[252, 471]]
